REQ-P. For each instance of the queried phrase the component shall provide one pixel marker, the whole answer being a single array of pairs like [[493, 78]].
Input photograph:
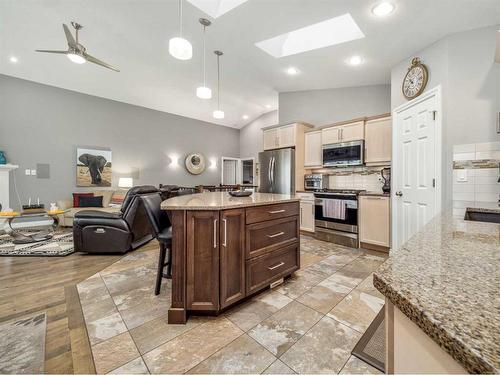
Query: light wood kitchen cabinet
[[378, 141], [374, 222], [271, 140], [286, 136], [343, 133], [313, 151], [307, 215]]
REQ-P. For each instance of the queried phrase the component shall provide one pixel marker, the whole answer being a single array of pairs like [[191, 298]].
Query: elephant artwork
[[93, 167]]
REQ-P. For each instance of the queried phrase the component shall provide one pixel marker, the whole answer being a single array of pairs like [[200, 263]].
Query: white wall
[[463, 64], [323, 107], [251, 135]]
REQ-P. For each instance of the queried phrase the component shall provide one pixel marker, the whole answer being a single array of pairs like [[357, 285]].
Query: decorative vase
[[3, 160]]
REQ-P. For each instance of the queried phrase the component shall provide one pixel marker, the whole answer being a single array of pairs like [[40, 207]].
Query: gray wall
[[251, 134], [43, 124], [323, 107], [463, 64]]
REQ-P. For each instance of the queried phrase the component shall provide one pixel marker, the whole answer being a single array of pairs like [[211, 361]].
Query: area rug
[[371, 346], [61, 244], [22, 345]]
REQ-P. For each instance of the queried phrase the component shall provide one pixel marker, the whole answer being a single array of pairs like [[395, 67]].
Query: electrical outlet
[[27, 172], [33, 172]]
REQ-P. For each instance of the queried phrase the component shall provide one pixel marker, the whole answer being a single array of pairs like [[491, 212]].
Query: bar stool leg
[[169, 263], [161, 264]]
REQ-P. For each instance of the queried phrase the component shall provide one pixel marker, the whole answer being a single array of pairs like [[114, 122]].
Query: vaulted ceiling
[[134, 34]]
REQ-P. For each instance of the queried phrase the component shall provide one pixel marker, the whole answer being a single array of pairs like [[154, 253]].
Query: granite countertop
[[222, 201], [446, 279], [375, 193]]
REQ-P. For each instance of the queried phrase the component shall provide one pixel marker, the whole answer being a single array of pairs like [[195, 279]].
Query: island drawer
[[263, 270], [264, 237], [272, 211]]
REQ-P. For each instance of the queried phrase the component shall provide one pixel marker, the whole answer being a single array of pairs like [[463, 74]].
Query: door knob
[[399, 194]]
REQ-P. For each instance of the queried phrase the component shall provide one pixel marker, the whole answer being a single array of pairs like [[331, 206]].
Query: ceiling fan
[[76, 52]]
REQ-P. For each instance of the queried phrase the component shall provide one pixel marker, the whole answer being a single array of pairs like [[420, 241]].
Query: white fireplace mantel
[[4, 183]]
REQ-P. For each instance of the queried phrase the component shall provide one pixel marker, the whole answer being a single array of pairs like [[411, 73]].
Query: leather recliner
[[105, 232]]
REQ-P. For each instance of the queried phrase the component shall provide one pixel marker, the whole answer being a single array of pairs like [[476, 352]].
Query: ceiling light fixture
[[292, 71], [13, 59], [179, 47], [355, 60], [245, 117], [268, 106], [383, 9], [204, 92], [76, 58], [218, 113]]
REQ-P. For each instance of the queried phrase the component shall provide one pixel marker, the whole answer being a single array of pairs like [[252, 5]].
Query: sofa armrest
[[95, 214], [65, 204]]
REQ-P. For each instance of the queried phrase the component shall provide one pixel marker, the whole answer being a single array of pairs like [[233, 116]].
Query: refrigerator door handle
[[272, 171]]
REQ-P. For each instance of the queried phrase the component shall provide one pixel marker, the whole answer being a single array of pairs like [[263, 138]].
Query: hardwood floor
[[35, 284]]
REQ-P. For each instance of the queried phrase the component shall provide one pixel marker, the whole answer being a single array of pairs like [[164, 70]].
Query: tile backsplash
[[356, 178], [475, 176]]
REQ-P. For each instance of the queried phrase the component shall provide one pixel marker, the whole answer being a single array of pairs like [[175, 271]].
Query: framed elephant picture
[[93, 167]]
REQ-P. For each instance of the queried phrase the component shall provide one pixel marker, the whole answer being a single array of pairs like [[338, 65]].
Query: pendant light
[[179, 47], [218, 114], [204, 92]]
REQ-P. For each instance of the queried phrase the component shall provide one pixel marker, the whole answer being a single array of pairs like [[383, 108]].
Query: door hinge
[[433, 182], [434, 113]]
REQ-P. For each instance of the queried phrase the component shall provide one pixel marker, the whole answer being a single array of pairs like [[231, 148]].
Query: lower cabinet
[[228, 259], [307, 215], [232, 256], [374, 222]]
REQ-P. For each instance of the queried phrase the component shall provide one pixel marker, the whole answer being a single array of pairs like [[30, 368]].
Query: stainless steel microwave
[[343, 154]]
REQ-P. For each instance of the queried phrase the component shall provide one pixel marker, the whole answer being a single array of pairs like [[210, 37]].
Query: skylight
[[216, 8], [327, 33]]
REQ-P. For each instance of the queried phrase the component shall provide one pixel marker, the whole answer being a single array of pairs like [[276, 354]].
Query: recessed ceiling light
[[244, 117], [355, 60], [327, 33], [292, 71], [13, 59], [268, 106], [383, 9]]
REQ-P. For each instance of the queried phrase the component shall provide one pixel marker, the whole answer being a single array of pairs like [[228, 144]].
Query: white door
[[416, 165]]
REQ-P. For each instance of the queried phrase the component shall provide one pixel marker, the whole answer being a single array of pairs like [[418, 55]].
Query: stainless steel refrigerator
[[277, 171]]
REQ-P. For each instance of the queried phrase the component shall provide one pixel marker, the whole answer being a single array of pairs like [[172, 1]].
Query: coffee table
[[38, 236]]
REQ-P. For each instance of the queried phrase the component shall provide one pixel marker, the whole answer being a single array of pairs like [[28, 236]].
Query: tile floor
[[309, 324]]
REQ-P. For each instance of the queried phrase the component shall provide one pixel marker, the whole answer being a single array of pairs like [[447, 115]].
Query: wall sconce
[[213, 163], [174, 160]]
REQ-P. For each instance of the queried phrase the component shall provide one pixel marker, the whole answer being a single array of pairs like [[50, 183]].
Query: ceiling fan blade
[[92, 59], [51, 51], [497, 56], [69, 37]]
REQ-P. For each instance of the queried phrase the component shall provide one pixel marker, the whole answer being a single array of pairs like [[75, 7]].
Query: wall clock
[[415, 80], [195, 163]]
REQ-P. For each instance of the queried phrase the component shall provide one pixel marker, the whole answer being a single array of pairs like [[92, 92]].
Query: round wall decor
[[415, 80], [195, 163]]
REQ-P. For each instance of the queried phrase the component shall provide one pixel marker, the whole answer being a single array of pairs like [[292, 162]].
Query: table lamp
[[125, 182]]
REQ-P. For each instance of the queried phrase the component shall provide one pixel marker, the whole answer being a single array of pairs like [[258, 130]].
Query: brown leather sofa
[[118, 232]]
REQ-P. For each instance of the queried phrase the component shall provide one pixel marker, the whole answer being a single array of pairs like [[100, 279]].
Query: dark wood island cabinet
[[225, 249]]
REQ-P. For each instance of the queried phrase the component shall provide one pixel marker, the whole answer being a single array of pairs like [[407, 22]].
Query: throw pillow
[[118, 197], [76, 198], [106, 196], [91, 201]]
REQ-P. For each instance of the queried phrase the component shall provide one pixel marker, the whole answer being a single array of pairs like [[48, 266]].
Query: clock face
[[415, 81]]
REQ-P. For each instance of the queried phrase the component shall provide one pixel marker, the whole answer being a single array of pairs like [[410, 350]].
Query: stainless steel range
[[336, 216]]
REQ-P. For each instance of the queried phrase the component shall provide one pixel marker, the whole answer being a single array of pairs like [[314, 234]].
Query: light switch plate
[[33, 172], [27, 172]]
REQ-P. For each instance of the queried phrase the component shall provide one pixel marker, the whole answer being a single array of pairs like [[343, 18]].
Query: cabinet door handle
[[276, 266], [275, 212], [276, 234], [215, 233], [225, 232]]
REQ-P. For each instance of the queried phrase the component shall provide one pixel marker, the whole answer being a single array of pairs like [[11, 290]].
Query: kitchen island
[[442, 293], [225, 249]]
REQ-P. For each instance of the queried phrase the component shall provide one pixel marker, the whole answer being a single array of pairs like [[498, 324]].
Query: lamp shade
[[204, 92], [180, 48], [125, 182]]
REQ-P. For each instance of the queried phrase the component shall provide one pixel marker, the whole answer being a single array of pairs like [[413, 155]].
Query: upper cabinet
[[286, 136], [378, 141], [313, 152], [343, 133], [271, 139]]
